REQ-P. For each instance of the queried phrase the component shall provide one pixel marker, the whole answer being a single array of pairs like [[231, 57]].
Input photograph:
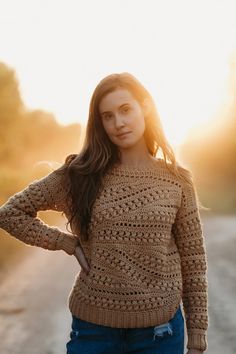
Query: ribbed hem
[[119, 319], [197, 340], [69, 243]]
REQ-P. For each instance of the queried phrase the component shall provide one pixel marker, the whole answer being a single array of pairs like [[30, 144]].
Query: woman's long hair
[[85, 170]]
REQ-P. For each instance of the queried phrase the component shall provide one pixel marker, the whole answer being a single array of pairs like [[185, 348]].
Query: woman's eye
[[107, 116], [126, 109]]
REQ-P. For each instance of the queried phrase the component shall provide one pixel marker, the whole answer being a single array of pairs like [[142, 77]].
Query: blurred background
[[52, 55]]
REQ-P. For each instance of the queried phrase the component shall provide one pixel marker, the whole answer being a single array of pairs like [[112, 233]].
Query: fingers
[[80, 256]]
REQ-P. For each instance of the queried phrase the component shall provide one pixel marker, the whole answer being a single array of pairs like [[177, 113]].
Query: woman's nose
[[119, 121]]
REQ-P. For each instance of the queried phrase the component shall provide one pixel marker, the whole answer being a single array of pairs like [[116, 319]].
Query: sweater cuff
[[69, 243], [197, 341]]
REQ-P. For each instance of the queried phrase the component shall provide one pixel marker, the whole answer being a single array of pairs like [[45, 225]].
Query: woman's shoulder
[[53, 187], [177, 173], [168, 168]]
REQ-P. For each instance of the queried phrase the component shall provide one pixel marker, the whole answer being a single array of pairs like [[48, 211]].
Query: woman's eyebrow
[[123, 104]]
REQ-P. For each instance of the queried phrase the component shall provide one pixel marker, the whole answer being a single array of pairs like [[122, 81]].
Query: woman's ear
[[146, 106]]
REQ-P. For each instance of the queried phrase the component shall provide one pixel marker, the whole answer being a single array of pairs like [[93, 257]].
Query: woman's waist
[[111, 286]]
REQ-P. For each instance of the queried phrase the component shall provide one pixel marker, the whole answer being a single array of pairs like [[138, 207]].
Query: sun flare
[[59, 57]]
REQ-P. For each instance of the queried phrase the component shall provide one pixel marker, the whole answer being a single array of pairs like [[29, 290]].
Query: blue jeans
[[90, 338]]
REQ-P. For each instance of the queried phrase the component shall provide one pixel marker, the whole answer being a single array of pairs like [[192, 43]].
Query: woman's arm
[[18, 216], [189, 238]]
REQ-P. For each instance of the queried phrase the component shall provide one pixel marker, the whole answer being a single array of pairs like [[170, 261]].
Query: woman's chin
[[126, 145]]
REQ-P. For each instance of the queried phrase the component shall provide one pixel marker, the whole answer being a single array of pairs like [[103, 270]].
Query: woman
[[135, 230]]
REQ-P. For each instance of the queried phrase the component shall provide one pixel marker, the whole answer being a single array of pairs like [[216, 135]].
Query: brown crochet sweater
[[146, 248]]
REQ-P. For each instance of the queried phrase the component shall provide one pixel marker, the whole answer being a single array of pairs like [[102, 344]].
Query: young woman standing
[[135, 229]]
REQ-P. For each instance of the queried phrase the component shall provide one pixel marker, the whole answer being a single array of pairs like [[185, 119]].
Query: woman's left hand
[[194, 351], [80, 256]]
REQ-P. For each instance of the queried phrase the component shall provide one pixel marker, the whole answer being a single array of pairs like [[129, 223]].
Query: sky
[[180, 51]]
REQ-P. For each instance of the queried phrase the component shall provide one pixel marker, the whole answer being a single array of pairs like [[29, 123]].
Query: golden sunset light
[[179, 49]]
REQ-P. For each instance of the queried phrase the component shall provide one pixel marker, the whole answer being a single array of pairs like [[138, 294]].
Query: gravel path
[[34, 320], [220, 234]]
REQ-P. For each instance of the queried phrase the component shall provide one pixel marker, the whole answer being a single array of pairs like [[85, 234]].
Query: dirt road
[[220, 233], [34, 316]]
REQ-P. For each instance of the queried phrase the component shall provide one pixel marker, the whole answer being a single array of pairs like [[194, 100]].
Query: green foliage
[[28, 136]]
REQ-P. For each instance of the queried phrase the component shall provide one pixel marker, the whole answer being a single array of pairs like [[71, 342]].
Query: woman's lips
[[123, 135]]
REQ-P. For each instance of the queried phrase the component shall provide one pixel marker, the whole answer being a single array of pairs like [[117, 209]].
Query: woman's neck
[[136, 157]]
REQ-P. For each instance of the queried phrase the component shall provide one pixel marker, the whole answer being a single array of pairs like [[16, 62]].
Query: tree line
[[29, 139]]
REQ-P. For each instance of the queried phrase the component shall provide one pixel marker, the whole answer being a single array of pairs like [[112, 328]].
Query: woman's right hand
[[80, 256]]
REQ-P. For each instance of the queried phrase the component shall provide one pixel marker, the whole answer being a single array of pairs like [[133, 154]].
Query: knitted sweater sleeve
[[191, 245], [18, 216]]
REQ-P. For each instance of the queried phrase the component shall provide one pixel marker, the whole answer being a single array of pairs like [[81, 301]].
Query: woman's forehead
[[115, 98]]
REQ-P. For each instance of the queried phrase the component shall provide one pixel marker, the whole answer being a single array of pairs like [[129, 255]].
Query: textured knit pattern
[[146, 248], [18, 216]]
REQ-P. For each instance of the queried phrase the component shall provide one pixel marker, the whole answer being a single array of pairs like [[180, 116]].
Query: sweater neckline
[[141, 169]]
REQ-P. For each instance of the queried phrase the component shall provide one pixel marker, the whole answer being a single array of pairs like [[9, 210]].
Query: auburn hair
[[83, 172]]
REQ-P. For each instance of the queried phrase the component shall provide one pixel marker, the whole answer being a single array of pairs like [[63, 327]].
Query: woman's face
[[122, 114]]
